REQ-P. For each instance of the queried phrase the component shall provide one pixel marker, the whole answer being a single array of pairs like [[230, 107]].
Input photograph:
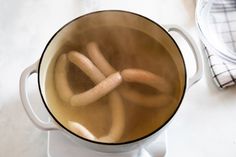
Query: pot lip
[[121, 143]]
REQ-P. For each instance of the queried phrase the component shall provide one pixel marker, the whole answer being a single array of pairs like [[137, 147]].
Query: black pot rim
[[121, 143]]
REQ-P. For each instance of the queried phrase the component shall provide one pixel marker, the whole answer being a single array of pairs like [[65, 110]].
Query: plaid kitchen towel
[[224, 20], [223, 72]]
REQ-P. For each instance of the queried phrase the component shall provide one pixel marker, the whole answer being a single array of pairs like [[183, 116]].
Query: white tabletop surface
[[205, 125]]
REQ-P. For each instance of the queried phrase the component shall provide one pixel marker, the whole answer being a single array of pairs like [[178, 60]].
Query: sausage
[[115, 100], [81, 130], [148, 78], [100, 90], [60, 75], [86, 66], [118, 118], [99, 60], [159, 100]]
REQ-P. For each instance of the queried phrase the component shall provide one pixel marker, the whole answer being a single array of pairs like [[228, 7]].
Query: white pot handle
[[25, 100], [199, 64]]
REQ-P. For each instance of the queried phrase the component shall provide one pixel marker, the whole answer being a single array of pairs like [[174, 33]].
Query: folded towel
[[223, 72], [223, 14]]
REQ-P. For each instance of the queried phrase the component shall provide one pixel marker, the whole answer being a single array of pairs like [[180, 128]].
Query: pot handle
[[199, 64], [25, 100]]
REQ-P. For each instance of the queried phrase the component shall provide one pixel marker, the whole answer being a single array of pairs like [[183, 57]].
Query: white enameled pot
[[108, 18]]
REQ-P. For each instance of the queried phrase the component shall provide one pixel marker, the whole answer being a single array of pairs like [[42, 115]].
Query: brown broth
[[123, 48]]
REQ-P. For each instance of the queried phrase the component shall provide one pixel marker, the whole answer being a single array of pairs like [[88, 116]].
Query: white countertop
[[205, 125]]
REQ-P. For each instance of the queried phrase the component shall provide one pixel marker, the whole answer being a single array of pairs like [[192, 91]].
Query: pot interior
[[114, 32]]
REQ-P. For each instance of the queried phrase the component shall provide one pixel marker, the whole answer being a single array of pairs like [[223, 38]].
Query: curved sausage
[[118, 119], [86, 66], [100, 90], [99, 60], [60, 75], [159, 100], [148, 78], [81, 130]]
